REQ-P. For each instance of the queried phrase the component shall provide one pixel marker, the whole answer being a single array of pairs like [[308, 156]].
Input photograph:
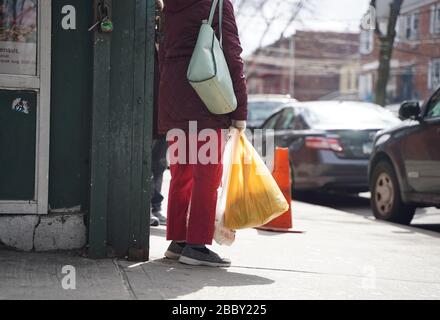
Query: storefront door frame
[[40, 83]]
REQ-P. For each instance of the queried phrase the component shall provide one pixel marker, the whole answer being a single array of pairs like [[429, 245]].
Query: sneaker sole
[[154, 224], [194, 262], [172, 256], [162, 222]]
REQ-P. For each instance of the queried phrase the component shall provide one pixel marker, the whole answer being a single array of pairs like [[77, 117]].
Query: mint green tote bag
[[208, 71]]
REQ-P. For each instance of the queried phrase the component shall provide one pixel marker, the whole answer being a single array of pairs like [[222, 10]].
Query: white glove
[[239, 124]]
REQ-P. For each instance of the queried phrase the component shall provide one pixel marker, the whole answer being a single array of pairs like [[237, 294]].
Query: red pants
[[192, 198]]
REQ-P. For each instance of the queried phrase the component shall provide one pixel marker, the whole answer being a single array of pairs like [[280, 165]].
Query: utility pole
[[292, 67]]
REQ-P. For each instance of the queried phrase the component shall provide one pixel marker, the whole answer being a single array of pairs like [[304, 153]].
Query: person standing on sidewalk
[[192, 196], [159, 147]]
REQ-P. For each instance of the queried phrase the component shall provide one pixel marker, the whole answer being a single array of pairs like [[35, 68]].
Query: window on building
[[366, 41], [409, 26], [435, 18], [353, 80], [366, 87], [434, 74]]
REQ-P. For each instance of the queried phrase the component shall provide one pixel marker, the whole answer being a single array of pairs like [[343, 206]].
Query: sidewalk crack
[[35, 231], [125, 280]]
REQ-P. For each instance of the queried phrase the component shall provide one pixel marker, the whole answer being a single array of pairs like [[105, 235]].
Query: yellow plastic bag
[[223, 235], [253, 196]]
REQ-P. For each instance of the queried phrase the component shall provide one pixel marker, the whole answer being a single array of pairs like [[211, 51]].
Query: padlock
[[106, 25]]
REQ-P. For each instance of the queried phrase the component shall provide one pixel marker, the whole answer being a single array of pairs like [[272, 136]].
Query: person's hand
[[239, 124]]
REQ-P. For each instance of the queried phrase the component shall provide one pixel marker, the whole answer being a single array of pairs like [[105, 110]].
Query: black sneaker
[[175, 250], [161, 217], [203, 257], [154, 222]]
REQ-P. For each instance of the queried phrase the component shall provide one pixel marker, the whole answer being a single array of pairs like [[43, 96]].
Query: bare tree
[[239, 5], [386, 49], [266, 13]]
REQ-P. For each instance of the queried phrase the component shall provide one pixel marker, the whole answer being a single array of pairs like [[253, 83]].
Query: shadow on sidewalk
[[334, 200], [167, 279]]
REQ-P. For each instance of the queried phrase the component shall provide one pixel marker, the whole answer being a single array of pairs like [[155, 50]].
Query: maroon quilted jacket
[[178, 102]]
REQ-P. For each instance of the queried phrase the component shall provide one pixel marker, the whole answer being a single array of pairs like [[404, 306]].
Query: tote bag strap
[[220, 17]]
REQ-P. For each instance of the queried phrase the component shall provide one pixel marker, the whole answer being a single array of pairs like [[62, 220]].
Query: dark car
[[261, 107], [329, 142], [405, 164]]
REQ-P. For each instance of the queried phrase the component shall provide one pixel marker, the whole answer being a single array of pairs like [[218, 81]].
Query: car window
[[287, 120], [434, 107], [299, 123], [271, 123], [260, 111], [344, 115]]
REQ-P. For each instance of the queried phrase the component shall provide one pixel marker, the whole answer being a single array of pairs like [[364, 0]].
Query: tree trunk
[[386, 50], [386, 53]]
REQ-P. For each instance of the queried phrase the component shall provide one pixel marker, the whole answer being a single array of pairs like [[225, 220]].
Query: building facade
[[415, 64], [309, 66]]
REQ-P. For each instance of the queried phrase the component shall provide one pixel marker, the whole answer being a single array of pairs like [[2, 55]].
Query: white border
[[42, 84]]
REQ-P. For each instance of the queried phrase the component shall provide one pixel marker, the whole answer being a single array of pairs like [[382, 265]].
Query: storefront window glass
[[18, 37]]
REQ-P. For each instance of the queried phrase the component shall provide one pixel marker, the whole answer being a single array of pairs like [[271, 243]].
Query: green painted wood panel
[[18, 113], [100, 146], [72, 66], [130, 129]]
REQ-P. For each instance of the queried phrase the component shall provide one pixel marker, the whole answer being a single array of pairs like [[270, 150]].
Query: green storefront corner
[[100, 124]]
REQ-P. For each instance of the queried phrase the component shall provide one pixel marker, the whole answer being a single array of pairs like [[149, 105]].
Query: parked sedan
[[261, 107], [405, 165], [330, 142]]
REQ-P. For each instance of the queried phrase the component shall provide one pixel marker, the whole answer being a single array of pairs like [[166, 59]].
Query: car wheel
[[295, 192], [386, 200], [292, 176]]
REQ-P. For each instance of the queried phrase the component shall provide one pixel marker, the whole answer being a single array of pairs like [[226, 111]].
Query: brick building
[[415, 65], [307, 65]]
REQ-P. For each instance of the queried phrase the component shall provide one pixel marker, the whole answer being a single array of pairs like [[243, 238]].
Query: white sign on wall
[[18, 37], [18, 58]]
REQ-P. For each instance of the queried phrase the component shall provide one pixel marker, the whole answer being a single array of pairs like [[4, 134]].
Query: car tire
[[294, 191], [386, 200]]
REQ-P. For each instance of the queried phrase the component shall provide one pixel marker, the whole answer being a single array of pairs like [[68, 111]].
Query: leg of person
[[155, 197], [158, 166], [207, 179], [179, 198]]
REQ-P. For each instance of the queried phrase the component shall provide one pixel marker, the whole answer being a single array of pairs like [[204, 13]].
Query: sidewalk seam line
[[125, 280], [151, 281], [330, 274]]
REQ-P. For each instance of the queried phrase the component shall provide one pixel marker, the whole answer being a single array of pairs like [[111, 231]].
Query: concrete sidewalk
[[339, 256]]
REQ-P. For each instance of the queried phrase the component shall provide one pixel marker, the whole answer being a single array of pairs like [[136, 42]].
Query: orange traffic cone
[[281, 174]]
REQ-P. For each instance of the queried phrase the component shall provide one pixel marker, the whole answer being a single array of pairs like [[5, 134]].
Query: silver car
[[261, 107]]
